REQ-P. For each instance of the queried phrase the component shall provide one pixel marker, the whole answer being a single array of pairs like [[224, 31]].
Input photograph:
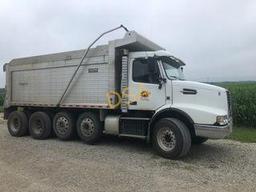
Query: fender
[[171, 112]]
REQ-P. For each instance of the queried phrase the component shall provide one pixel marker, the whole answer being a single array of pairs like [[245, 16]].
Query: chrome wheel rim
[[87, 127], [62, 125], [166, 139], [15, 125]]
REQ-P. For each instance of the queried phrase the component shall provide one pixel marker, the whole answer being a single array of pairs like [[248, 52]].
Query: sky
[[215, 38]]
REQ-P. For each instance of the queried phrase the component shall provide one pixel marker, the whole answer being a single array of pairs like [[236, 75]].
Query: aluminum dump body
[[41, 80]]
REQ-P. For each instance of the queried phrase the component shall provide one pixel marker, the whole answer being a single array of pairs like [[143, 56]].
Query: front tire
[[17, 124], [171, 138], [64, 125], [89, 128], [40, 126]]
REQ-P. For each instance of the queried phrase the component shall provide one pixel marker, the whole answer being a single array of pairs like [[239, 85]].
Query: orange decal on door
[[144, 94]]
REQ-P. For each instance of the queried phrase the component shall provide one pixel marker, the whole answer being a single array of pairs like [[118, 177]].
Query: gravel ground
[[122, 165]]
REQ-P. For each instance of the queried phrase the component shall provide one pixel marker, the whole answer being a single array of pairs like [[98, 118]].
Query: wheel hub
[[15, 125], [62, 125], [166, 139], [38, 126], [87, 127]]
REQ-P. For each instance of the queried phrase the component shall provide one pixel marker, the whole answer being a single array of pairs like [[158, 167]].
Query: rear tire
[[198, 140], [89, 127], [64, 125], [171, 138], [17, 124], [40, 126]]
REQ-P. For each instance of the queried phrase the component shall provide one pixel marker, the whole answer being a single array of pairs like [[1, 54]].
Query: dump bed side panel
[[44, 83], [45, 86]]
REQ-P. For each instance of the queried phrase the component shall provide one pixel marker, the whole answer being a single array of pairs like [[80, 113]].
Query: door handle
[[189, 91], [133, 103]]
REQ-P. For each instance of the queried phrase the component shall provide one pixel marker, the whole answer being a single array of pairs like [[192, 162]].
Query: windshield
[[173, 69]]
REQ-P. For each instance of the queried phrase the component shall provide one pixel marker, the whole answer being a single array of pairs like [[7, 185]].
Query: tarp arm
[[85, 54]]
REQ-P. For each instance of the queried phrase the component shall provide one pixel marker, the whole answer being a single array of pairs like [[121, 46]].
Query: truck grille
[[229, 104]]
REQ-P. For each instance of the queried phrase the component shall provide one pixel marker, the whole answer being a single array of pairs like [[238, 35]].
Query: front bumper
[[212, 131]]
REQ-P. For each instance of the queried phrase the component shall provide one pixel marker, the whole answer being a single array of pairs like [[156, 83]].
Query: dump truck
[[130, 87]]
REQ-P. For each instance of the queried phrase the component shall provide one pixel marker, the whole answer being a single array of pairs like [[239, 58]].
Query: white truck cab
[[130, 87], [161, 75]]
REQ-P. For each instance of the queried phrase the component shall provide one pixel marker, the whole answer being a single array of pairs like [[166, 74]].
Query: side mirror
[[161, 82], [4, 67]]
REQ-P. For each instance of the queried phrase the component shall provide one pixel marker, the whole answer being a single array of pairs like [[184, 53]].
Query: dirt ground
[[122, 165]]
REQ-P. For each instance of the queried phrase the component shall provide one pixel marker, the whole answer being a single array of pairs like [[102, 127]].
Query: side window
[[145, 71]]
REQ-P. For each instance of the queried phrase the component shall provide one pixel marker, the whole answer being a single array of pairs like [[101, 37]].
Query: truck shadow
[[126, 143], [208, 150]]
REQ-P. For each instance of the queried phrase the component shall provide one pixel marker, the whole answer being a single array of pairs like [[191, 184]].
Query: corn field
[[243, 102], [1, 99]]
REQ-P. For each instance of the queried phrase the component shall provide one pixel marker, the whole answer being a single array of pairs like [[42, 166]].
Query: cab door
[[144, 91]]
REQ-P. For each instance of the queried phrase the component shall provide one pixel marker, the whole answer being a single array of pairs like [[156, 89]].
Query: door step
[[134, 136], [135, 118]]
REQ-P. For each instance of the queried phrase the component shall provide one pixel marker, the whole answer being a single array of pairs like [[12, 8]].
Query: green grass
[[1, 109], [243, 134]]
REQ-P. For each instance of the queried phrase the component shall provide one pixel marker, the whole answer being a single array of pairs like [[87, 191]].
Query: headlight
[[222, 120]]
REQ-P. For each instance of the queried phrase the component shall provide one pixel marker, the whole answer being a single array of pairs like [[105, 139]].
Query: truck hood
[[197, 86], [203, 97]]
